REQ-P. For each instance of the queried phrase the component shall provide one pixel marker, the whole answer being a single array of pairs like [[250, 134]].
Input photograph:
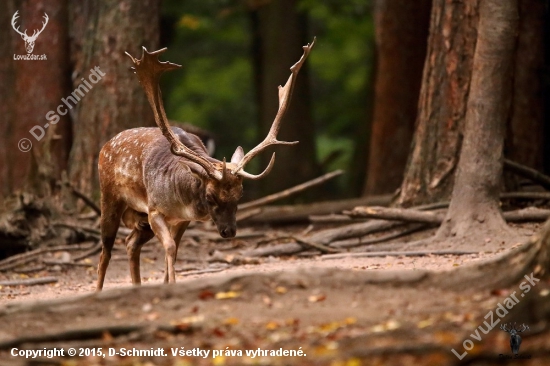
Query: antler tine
[[503, 327], [13, 20], [148, 70], [524, 328], [285, 94]]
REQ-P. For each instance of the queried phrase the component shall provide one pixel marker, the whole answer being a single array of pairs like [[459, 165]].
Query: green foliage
[[214, 89]]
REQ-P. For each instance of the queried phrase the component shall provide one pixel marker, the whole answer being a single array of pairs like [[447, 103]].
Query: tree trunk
[[474, 210], [279, 36], [29, 90], [429, 173], [401, 39], [101, 33], [525, 135]]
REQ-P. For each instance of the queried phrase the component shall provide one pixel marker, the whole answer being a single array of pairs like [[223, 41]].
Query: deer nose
[[228, 232]]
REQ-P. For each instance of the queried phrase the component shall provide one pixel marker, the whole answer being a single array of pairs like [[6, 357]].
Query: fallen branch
[[310, 244], [300, 213], [29, 281], [527, 172], [410, 215], [202, 271], [397, 214], [94, 250], [350, 243], [87, 200], [63, 263], [19, 259], [420, 253], [324, 237], [290, 191], [526, 195]]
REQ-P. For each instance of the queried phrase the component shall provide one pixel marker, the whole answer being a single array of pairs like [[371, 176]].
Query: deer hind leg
[[141, 234], [177, 232], [111, 212]]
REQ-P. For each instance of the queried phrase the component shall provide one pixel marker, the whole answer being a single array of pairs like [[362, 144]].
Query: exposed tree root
[[410, 215], [29, 281], [421, 253], [527, 172]]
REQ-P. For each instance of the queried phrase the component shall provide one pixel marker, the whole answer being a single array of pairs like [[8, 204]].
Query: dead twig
[[63, 263], [29, 281], [320, 247], [94, 250], [290, 191], [398, 214], [202, 271], [350, 243], [527, 172], [19, 259], [420, 253], [300, 213], [526, 195]]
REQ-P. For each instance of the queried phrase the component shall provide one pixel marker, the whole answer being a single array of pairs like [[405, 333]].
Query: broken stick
[[288, 192]]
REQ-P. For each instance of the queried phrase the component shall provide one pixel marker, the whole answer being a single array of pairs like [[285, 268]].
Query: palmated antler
[[285, 94], [148, 70]]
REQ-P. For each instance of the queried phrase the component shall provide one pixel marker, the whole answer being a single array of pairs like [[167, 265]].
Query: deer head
[[223, 188], [29, 40]]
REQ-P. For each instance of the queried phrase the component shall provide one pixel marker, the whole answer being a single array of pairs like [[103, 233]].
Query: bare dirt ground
[[346, 311]]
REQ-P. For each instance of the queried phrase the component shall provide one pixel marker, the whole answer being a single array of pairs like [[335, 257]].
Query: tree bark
[[525, 135], [101, 33], [401, 39], [279, 36], [29, 90], [429, 173], [475, 197]]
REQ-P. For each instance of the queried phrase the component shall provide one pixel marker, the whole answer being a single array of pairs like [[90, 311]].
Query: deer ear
[[238, 155]]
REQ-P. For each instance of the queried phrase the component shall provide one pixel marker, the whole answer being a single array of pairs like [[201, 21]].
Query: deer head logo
[[29, 40], [515, 339]]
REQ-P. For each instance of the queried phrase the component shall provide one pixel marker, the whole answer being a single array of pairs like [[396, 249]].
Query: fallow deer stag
[[157, 180]]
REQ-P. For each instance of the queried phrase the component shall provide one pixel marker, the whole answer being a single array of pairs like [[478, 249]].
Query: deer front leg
[[162, 231], [177, 232]]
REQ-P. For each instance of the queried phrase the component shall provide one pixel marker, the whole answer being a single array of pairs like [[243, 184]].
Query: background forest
[[386, 77]]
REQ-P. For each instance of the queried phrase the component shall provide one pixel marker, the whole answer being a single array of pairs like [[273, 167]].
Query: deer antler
[[148, 70], [524, 328], [285, 93], [503, 327], [36, 33], [13, 19]]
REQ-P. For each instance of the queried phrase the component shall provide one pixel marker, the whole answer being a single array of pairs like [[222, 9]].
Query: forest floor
[[270, 311]]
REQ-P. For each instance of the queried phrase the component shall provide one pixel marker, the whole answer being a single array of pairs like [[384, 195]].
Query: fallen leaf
[[272, 325], [425, 323], [152, 316], [227, 295], [281, 290], [317, 298], [231, 321], [206, 294]]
